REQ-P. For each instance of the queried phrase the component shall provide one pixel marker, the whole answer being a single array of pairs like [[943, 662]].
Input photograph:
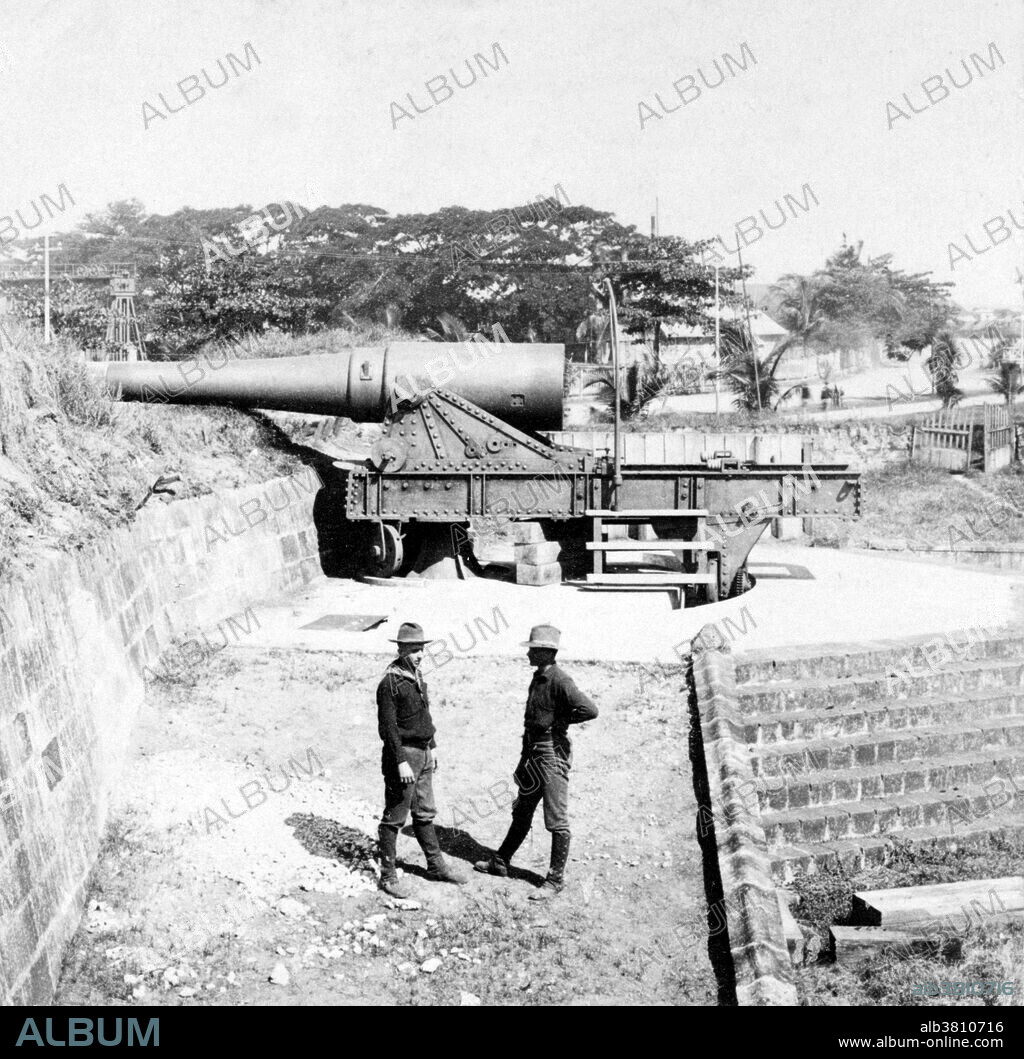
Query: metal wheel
[[389, 552], [389, 454]]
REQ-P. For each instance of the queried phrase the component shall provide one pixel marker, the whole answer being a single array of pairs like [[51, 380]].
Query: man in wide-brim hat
[[408, 762], [553, 703]]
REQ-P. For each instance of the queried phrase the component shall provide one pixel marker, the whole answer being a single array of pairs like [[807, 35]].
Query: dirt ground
[[203, 897]]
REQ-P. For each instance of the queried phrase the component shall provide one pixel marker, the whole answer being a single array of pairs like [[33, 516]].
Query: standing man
[[408, 762], [553, 703]]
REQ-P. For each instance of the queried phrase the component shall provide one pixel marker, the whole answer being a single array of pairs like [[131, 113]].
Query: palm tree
[[1006, 381], [799, 308], [942, 366], [595, 333], [750, 377], [645, 381]]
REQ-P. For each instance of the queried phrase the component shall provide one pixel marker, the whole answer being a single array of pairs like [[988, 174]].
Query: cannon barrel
[[519, 383]]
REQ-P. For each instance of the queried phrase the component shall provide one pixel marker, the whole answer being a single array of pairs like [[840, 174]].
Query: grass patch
[[74, 464], [929, 507], [989, 951]]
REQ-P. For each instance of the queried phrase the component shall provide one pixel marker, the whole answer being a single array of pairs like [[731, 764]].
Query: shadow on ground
[[461, 845], [719, 951], [327, 838]]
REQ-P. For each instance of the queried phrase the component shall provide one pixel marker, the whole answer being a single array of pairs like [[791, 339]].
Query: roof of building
[[761, 323]]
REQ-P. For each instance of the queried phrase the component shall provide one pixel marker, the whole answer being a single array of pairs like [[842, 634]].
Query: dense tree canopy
[[852, 301], [537, 270], [665, 280]]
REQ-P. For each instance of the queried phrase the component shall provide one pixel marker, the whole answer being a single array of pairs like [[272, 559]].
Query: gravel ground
[[199, 897]]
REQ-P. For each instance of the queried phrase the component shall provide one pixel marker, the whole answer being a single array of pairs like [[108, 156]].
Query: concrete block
[[787, 529], [538, 554], [545, 574], [527, 532]]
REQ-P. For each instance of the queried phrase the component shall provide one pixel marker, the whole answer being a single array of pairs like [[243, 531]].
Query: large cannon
[[463, 439], [519, 382]]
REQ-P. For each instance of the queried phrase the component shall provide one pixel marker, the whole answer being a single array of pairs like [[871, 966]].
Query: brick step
[[764, 729], [840, 661], [892, 685], [929, 742], [966, 771], [878, 817], [865, 852]]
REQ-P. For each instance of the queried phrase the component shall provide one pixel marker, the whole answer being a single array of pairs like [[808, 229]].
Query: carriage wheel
[[390, 561]]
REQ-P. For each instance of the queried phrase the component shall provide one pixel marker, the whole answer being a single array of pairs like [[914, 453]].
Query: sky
[[89, 86]]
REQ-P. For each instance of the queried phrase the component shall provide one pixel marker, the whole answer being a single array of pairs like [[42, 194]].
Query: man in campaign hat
[[408, 762], [553, 703]]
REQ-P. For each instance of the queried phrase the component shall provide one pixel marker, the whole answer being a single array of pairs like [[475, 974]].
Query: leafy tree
[[663, 280], [851, 302], [926, 307], [121, 219], [510, 267], [77, 310], [250, 295]]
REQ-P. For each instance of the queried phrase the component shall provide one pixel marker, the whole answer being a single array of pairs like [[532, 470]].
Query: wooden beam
[[645, 513], [650, 579], [653, 546], [977, 900], [853, 946]]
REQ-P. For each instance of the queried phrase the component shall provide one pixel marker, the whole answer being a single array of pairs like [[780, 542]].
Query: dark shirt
[[554, 702], [403, 711]]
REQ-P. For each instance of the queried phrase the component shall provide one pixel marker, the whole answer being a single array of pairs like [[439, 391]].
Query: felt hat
[[410, 632], [543, 636]]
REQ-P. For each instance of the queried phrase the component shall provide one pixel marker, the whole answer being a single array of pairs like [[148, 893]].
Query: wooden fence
[[955, 439], [999, 437]]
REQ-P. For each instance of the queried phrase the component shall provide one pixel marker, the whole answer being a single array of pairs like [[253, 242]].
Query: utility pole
[[750, 330], [1020, 280], [613, 320], [47, 333], [718, 341]]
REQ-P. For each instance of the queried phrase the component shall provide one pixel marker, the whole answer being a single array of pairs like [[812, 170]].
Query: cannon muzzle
[[519, 383]]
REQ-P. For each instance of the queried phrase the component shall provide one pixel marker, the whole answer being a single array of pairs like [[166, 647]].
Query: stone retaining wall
[[749, 903], [999, 555], [867, 445], [75, 639]]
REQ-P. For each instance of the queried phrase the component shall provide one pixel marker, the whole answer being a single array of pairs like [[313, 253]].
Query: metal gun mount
[[473, 449]]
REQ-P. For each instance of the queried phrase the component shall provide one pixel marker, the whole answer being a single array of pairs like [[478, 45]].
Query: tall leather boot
[[555, 882], [387, 841], [497, 863], [438, 869]]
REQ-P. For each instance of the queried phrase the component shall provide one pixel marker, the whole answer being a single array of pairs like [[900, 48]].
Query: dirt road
[[241, 837]]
